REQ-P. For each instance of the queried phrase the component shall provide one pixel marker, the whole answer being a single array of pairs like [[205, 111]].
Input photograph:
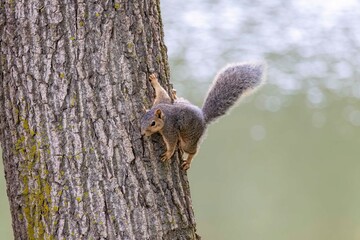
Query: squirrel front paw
[[152, 78]]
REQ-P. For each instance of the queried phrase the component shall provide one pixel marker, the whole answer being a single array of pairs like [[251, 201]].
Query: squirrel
[[180, 122]]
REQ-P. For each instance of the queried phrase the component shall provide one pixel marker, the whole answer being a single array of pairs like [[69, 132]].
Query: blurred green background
[[5, 217], [285, 163]]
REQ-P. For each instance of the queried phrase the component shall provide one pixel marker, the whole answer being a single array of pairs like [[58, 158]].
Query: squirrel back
[[229, 85]]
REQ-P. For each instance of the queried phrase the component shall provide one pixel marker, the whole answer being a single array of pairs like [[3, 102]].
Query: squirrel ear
[[158, 113]]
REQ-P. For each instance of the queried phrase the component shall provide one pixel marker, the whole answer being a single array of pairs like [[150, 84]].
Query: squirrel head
[[152, 122]]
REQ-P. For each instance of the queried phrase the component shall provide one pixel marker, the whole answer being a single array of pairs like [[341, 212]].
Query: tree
[[73, 88]]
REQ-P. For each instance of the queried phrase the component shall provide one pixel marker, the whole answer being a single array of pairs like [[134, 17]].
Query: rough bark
[[73, 78]]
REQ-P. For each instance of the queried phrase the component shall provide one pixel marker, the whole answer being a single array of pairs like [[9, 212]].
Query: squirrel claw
[[173, 94], [165, 157], [152, 77], [185, 165]]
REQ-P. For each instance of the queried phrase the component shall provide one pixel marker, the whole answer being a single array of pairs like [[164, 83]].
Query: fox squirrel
[[184, 123]]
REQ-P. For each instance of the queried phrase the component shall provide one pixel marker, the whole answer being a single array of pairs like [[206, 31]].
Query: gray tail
[[229, 85]]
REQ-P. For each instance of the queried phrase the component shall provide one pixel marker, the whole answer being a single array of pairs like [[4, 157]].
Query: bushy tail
[[229, 85]]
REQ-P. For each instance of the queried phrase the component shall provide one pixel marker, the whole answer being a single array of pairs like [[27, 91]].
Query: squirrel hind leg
[[161, 96]]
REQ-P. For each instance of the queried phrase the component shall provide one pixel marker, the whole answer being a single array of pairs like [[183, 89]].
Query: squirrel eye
[[153, 123]]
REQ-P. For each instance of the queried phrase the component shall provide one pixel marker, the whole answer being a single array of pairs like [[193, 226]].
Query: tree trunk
[[74, 83]]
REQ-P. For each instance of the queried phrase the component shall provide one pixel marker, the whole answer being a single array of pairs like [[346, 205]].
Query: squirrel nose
[[145, 133]]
